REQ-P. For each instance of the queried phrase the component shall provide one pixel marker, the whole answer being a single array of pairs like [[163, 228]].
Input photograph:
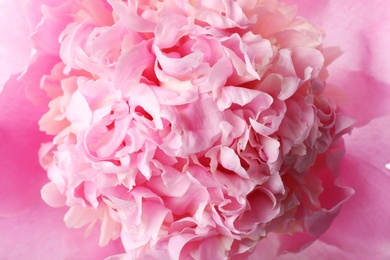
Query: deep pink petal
[[21, 176]]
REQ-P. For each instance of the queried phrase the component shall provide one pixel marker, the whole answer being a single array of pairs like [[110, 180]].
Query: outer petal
[[361, 230], [40, 233], [21, 176], [14, 45]]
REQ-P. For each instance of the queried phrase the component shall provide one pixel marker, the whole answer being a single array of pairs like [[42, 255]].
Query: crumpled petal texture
[[189, 129]]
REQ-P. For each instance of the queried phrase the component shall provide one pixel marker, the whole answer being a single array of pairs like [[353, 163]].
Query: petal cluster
[[188, 129]]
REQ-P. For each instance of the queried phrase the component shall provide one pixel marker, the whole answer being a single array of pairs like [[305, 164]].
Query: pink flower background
[[31, 229]]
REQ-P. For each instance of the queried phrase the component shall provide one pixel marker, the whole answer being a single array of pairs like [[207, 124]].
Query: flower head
[[182, 127], [187, 129]]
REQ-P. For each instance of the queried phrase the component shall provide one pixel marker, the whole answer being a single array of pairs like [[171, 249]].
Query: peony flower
[[193, 130]]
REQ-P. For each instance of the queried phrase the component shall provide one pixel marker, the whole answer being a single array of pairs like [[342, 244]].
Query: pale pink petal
[[132, 64], [129, 16], [168, 31]]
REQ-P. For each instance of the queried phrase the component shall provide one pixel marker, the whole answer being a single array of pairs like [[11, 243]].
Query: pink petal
[[230, 160]]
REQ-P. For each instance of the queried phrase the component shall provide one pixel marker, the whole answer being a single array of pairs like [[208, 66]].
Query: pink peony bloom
[[194, 130]]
